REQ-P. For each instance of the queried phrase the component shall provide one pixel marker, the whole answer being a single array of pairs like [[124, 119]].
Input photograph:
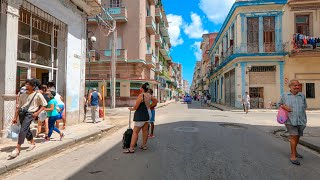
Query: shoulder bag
[[24, 110]]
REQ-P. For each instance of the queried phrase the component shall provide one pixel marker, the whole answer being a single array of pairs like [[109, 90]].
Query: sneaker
[[151, 136], [15, 153], [31, 147]]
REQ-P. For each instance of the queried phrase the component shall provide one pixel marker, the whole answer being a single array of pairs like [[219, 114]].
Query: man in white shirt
[[32, 104], [246, 102]]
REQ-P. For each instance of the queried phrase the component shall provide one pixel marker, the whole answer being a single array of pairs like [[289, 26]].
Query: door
[[227, 89], [232, 88], [256, 96]]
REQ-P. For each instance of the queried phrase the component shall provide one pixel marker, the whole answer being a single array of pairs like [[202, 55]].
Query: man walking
[[29, 107], [94, 99], [246, 102], [295, 103]]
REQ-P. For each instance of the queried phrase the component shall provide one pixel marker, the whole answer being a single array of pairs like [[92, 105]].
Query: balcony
[[164, 50], [158, 40], [159, 67], [151, 60], [120, 14], [164, 29], [247, 49], [300, 49], [158, 14], [151, 25], [107, 55], [164, 74], [90, 7]]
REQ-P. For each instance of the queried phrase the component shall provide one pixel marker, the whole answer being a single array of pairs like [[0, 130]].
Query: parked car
[[187, 99]]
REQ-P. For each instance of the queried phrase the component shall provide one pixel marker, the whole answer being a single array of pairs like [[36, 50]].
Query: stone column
[[8, 64], [261, 44]]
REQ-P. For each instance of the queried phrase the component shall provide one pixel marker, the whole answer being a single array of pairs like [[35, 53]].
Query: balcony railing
[[159, 67], [254, 48], [310, 48], [158, 14], [106, 55], [151, 60], [151, 25], [120, 14], [158, 40]]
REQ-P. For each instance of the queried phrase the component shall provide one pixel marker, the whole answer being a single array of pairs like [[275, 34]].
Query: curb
[[15, 163], [301, 142]]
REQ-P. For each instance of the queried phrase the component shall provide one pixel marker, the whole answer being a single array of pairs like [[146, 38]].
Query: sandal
[[128, 151], [14, 153], [295, 162], [143, 147], [299, 156]]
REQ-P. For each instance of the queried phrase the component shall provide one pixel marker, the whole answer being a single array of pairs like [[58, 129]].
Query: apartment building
[[249, 54], [45, 40], [143, 50], [185, 87], [206, 65], [301, 27], [196, 85]]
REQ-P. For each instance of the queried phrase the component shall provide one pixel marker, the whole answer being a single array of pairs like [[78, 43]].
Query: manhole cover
[[186, 129], [233, 126]]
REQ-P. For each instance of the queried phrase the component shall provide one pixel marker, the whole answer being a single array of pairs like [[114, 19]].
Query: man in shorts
[[295, 103]]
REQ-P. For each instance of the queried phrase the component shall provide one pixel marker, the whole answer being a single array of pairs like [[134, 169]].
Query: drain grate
[[233, 126]]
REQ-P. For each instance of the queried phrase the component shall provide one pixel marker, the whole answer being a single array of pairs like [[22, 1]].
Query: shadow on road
[[191, 150]]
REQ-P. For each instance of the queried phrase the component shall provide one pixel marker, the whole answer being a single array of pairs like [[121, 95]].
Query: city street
[[191, 143]]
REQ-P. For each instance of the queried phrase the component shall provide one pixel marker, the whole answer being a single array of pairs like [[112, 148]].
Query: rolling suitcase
[[127, 135]]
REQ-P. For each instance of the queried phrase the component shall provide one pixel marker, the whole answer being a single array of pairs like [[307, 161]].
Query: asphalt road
[[191, 143]]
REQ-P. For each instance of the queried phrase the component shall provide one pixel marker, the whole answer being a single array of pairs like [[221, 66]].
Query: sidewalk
[[310, 138], [73, 135], [233, 109]]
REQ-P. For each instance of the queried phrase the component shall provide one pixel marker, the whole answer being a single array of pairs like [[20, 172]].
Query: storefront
[[44, 40]]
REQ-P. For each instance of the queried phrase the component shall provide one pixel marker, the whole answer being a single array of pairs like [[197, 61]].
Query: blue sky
[[188, 20]]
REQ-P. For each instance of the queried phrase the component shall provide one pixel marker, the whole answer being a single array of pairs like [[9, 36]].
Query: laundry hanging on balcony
[[303, 41]]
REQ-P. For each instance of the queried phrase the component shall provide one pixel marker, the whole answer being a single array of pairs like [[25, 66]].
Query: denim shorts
[[153, 114], [295, 130]]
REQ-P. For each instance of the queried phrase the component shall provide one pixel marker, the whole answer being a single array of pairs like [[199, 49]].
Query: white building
[[44, 39], [186, 87]]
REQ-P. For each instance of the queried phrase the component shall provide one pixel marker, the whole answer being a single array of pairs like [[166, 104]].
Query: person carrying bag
[[141, 118]]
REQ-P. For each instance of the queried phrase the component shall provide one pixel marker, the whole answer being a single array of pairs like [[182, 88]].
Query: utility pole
[[113, 67]]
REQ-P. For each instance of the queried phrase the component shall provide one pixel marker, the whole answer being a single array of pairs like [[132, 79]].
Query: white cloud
[[175, 25], [196, 50], [195, 29], [215, 10]]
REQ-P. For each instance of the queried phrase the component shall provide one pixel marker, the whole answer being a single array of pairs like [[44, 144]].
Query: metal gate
[[230, 88]]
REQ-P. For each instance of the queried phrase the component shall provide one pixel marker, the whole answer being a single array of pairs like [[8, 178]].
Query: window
[[269, 34], [253, 35], [115, 3], [310, 90], [263, 69], [302, 24]]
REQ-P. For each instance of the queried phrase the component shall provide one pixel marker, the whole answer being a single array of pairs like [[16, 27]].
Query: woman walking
[[53, 115], [141, 118]]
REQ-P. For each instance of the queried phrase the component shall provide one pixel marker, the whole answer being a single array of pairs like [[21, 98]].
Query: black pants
[[25, 132]]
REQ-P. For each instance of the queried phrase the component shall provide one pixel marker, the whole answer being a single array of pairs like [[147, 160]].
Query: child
[[53, 115], [153, 103]]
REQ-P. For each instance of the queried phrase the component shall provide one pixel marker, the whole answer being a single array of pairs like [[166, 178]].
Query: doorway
[[256, 96]]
